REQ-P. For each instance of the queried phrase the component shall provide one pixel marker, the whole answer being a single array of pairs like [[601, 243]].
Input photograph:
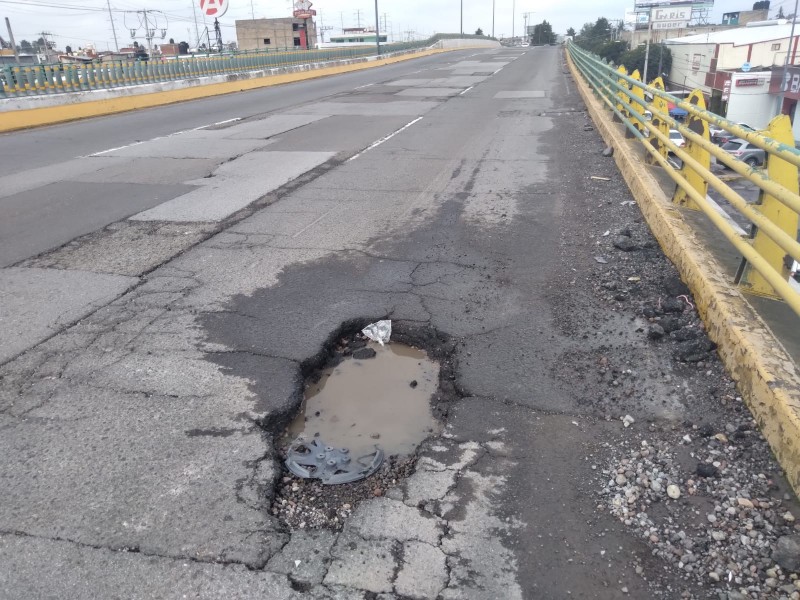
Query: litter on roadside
[[598, 178], [601, 260], [379, 332], [315, 460]]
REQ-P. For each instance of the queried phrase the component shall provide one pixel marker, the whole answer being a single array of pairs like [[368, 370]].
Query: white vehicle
[[676, 138]]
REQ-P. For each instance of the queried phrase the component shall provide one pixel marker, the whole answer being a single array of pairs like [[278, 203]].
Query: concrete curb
[[13, 120], [765, 373]]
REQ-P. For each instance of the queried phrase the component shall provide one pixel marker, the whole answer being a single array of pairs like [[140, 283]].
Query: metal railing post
[[785, 174], [658, 107], [638, 92], [697, 179]]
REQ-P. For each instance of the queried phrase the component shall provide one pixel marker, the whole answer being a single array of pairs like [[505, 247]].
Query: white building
[[737, 70]]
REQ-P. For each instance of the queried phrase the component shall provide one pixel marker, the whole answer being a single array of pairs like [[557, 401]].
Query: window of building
[[267, 41], [696, 62], [776, 46], [297, 42], [295, 26]]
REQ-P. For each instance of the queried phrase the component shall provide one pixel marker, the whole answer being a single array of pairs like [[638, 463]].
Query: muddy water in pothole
[[383, 401]]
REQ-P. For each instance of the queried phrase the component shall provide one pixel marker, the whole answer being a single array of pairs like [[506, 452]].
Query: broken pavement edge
[[765, 373]]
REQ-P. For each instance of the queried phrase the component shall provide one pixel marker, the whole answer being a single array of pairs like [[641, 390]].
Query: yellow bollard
[[785, 174], [695, 179], [658, 105]]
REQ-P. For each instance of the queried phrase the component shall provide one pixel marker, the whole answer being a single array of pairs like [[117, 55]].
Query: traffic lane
[[472, 250], [343, 124], [51, 145], [199, 485], [57, 213]]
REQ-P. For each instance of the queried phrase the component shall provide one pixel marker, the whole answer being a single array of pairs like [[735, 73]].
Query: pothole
[[365, 398], [379, 397]]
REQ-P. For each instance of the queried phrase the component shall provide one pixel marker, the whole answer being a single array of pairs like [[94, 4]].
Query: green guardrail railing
[[771, 248], [18, 81]]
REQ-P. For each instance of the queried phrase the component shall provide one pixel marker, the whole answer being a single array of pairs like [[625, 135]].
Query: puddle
[[362, 403]]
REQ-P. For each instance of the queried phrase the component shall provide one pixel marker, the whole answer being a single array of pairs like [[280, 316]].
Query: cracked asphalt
[[139, 427]]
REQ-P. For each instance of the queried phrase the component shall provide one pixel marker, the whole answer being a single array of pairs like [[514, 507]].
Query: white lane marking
[[498, 70], [384, 139], [314, 222], [161, 137], [734, 225], [233, 120], [466, 90], [361, 87], [112, 149]]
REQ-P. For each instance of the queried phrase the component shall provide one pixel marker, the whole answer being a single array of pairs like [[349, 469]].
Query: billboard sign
[[645, 5], [214, 8], [303, 10], [676, 17]]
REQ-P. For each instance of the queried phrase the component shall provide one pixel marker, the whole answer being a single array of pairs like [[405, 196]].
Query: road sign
[[746, 67], [214, 8]]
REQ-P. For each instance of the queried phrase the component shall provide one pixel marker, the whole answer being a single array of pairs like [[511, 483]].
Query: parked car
[[676, 137], [745, 152], [720, 136]]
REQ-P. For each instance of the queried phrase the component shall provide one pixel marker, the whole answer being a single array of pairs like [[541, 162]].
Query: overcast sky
[[78, 22]]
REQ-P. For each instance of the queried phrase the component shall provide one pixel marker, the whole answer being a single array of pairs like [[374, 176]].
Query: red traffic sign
[[214, 8]]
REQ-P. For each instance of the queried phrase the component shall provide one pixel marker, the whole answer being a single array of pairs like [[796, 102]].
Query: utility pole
[[13, 43], [513, 14], [527, 16], [786, 62], [493, 13], [196, 28], [462, 17], [377, 28], [358, 18], [113, 26], [149, 32], [647, 49]]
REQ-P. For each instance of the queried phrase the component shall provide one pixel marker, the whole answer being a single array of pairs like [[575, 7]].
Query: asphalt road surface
[[171, 276]]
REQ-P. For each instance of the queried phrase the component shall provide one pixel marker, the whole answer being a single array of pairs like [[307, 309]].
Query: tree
[[42, 45], [571, 32], [135, 44], [479, 31], [764, 4], [780, 14], [183, 48], [634, 59], [171, 40], [543, 34], [26, 47], [68, 49], [594, 35]]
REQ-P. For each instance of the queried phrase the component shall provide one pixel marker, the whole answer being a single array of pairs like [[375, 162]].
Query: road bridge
[[171, 276]]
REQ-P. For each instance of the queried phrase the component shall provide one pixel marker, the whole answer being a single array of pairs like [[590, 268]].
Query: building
[[640, 35], [276, 34], [743, 17], [357, 35], [736, 69]]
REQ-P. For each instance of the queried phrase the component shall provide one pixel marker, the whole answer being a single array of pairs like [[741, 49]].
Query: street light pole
[[493, 13], [462, 17]]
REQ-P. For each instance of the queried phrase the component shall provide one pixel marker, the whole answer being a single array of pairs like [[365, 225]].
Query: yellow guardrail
[[771, 248]]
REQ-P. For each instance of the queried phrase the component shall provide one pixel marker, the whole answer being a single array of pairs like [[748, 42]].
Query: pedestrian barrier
[[771, 248], [58, 78]]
